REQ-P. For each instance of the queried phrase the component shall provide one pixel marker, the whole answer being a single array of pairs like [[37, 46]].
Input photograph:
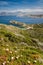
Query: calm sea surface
[[27, 20]]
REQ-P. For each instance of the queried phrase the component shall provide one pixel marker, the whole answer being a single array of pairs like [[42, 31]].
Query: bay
[[27, 20]]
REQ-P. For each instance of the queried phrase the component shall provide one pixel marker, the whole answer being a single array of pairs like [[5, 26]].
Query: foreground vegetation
[[21, 47]]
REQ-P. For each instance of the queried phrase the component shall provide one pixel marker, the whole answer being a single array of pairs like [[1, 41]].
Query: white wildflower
[[12, 58], [4, 63], [28, 61]]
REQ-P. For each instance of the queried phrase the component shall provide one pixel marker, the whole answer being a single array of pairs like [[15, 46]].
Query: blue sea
[[27, 20]]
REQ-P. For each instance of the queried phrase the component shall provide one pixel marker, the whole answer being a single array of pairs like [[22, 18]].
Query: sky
[[21, 7]]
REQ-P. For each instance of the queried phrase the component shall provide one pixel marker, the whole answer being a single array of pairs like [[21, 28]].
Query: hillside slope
[[21, 47]]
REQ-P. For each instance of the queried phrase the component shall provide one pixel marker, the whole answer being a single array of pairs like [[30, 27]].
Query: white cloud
[[22, 12]]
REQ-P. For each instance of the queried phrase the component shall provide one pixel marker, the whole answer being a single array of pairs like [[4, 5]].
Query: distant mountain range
[[21, 14]]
